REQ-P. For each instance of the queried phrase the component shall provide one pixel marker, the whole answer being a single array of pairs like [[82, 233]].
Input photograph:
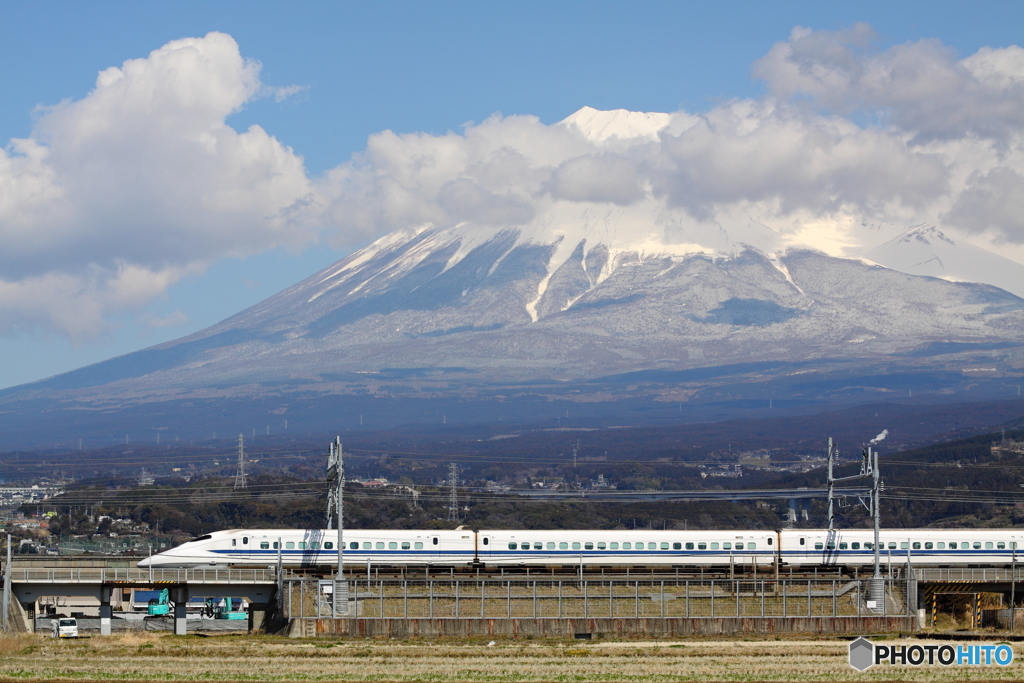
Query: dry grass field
[[153, 657]]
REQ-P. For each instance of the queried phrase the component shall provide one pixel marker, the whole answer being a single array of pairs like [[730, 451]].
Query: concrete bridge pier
[[798, 506], [105, 610], [257, 615], [179, 596]]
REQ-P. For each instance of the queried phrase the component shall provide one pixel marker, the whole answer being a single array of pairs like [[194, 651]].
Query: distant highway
[[700, 494]]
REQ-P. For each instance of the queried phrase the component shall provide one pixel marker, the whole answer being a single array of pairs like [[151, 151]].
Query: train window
[[664, 546], [867, 546], [393, 545], [650, 546], [601, 545], [512, 545], [892, 545], [855, 546], [1013, 545], [904, 545], [245, 540], [315, 545], [739, 546], [329, 545], [751, 546], [380, 545], [588, 546], [234, 542], [435, 540], [419, 545], [264, 545], [689, 546], [627, 546], [917, 545], [290, 545], [302, 545], [677, 546], [613, 546], [1000, 546], [487, 541], [819, 545], [277, 545], [977, 545], [354, 545], [714, 546], [562, 545], [702, 546], [538, 546], [405, 545], [576, 545], [941, 545], [842, 546], [831, 546], [802, 540], [769, 540], [988, 545], [927, 546], [551, 545]]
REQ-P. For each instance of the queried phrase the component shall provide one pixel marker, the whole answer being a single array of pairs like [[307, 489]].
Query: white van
[[64, 628]]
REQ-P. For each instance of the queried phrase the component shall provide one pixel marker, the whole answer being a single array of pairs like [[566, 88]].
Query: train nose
[[145, 563]]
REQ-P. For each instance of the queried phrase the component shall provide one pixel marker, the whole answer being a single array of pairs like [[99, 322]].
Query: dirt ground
[[164, 657]]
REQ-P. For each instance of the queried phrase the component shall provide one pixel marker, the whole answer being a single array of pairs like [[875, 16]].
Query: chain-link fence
[[590, 598]]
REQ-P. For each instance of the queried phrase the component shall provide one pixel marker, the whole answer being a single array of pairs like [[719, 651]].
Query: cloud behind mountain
[[115, 197]]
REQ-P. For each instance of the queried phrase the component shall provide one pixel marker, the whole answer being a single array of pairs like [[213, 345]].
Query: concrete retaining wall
[[576, 628]]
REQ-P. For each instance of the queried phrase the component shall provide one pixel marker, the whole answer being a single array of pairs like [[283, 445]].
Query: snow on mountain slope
[[577, 289], [623, 124], [402, 316], [925, 250]]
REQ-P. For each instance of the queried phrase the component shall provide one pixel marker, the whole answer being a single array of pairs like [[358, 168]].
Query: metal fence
[[133, 575], [590, 598]]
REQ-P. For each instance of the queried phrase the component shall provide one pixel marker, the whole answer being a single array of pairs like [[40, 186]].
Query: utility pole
[[336, 504], [868, 468], [453, 496], [240, 471], [336, 496], [7, 587], [833, 450]]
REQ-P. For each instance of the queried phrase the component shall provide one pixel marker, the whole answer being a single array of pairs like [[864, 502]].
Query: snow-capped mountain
[[925, 250], [576, 289], [430, 310]]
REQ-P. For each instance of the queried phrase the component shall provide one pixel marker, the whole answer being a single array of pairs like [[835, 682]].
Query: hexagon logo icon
[[862, 654]]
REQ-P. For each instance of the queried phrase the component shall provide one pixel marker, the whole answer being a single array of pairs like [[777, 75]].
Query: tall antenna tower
[[453, 497], [336, 497], [240, 471]]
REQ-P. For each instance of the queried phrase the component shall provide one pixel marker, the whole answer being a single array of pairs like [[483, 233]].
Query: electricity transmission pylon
[[453, 497], [240, 471]]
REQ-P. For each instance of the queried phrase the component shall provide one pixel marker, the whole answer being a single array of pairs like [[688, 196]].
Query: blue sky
[[363, 68]]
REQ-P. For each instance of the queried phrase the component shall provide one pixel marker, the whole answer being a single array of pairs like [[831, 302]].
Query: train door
[[434, 549], [484, 548], [245, 548]]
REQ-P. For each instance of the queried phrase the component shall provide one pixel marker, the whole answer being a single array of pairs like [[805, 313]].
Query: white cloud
[[918, 87], [852, 140], [117, 195]]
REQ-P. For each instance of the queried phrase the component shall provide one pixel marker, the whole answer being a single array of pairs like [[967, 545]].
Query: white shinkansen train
[[791, 547]]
